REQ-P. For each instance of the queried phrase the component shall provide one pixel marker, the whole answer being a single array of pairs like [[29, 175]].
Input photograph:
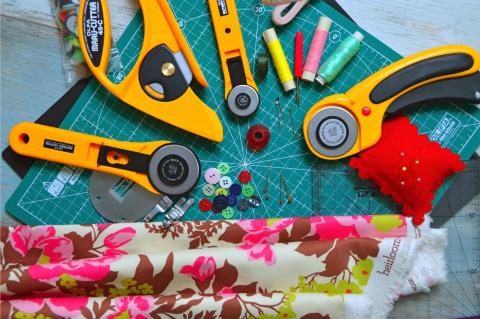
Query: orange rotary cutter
[[346, 124], [241, 92], [160, 167], [159, 82]]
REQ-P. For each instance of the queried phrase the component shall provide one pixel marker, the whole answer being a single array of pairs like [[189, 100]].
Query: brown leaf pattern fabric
[[315, 267]]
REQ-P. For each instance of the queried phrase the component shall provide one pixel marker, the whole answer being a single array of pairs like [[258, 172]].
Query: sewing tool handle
[[279, 59], [317, 47], [94, 35], [428, 69], [54, 144], [298, 54]]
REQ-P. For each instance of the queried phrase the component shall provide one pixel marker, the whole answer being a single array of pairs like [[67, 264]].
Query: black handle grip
[[420, 72], [464, 89]]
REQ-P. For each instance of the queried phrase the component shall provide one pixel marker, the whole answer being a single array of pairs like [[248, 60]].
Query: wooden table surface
[[31, 62]]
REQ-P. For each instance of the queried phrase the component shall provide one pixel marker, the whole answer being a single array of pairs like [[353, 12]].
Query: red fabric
[[407, 166]]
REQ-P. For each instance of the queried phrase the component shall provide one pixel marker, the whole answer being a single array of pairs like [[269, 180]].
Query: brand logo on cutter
[[222, 7], [59, 146], [93, 29]]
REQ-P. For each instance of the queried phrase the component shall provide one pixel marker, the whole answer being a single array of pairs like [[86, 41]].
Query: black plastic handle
[[419, 72], [464, 89]]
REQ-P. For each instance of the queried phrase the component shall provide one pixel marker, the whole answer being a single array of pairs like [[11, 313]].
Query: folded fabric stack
[[313, 267]]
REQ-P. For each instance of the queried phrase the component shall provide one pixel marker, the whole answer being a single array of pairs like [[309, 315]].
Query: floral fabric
[[316, 267]]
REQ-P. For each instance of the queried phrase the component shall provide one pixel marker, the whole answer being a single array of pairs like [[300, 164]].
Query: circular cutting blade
[[173, 169], [243, 100], [332, 131]]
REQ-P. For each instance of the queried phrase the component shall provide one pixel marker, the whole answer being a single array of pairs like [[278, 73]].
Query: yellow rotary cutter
[[241, 92], [346, 124], [160, 167], [159, 82]]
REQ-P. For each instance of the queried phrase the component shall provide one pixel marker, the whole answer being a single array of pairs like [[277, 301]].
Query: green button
[[224, 168], [228, 213], [208, 190], [221, 191], [248, 190]]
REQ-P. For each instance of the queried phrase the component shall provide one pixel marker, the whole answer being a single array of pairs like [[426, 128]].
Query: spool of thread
[[262, 66], [279, 60], [317, 47], [335, 63]]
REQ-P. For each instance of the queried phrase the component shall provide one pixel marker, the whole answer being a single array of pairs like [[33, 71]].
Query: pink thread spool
[[317, 47]]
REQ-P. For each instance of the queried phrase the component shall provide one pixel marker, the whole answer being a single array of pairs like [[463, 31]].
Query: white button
[[225, 182]]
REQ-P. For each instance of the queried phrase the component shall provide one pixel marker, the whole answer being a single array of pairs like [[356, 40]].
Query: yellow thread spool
[[279, 60]]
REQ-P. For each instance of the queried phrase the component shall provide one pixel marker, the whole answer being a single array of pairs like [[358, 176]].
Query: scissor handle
[[126, 159]]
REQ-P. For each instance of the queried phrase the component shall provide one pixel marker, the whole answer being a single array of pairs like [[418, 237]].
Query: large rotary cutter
[[345, 124], [159, 82], [160, 167]]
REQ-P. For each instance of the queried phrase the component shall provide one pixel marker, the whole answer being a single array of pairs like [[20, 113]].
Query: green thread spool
[[336, 62]]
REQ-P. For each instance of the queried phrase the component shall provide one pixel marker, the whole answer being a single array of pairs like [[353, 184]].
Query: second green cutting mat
[[57, 194]]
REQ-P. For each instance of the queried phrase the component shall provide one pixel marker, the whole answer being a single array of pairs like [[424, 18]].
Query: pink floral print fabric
[[317, 267]]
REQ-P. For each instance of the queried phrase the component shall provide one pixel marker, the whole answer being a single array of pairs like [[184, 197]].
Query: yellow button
[[221, 191]]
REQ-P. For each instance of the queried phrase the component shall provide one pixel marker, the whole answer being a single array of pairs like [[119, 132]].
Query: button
[[228, 213], [223, 168], [208, 190], [212, 176], [232, 200], [248, 190], [244, 177], [205, 205], [243, 205], [220, 202], [225, 182], [254, 201], [221, 191], [235, 189]]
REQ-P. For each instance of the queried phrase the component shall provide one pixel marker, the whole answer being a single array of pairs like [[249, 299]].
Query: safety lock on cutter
[[160, 167], [241, 92], [159, 82], [345, 124]]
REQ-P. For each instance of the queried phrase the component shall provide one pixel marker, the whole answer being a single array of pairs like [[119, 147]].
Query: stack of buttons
[[226, 193]]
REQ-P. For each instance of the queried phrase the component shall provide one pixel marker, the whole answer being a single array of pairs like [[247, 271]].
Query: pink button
[[212, 176]]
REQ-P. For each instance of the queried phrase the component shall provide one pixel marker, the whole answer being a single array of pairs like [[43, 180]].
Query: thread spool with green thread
[[336, 62]]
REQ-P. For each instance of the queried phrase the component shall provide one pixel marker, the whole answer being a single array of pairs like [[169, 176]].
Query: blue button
[[220, 202], [232, 200], [235, 189]]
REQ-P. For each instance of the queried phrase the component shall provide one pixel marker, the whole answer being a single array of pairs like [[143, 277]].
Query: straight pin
[[265, 187], [284, 183]]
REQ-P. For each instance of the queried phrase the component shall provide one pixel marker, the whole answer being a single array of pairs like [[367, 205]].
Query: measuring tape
[[345, 124], [160, 167], [241, 92], [159, 82]]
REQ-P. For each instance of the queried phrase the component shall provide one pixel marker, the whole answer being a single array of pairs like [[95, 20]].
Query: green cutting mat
[[57, 194]]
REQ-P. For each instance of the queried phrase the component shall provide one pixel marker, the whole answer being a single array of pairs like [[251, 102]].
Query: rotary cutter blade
[[160, 167], [241, 91], [346, 124], [159, 82]]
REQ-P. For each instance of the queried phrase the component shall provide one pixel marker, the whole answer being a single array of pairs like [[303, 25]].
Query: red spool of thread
[[258, 137]]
